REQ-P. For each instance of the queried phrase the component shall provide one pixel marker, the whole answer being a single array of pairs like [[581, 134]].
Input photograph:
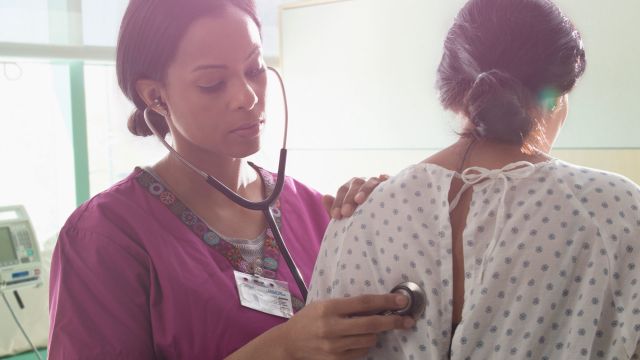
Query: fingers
[[329, 350], [348, 203], [352, 194], [355, 354], [349, 344], [327, 202], [337, 333], [373, 324], [340, 197], [366, 304], [337, 202], [366, 189]]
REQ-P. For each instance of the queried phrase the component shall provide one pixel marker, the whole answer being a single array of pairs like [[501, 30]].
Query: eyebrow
[[255, 50]]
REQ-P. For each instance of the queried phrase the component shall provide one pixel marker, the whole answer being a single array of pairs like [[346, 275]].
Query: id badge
[[266, 295]]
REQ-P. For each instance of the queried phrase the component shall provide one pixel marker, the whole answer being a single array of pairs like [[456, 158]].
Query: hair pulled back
[[150, 33], [504, 62]]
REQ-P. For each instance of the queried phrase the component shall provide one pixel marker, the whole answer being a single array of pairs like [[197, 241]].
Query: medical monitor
[[20, 264]]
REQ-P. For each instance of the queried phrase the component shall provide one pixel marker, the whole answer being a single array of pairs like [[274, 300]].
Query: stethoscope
[[417, 297], [264, 205]]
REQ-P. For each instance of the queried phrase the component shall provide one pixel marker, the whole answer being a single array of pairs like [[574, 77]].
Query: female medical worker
[[146, 269], [522, 256]]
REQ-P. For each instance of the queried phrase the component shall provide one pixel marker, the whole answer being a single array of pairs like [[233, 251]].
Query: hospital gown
[[551, 256]]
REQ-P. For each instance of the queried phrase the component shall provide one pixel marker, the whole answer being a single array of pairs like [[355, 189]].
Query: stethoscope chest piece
[[417, 299]]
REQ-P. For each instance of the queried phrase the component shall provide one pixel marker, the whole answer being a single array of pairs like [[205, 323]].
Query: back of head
[[504, 60], [150, 33]]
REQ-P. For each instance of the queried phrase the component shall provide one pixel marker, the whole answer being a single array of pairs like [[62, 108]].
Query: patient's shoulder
[[419, 188], [429, 177], [589, 180], [610, 200]]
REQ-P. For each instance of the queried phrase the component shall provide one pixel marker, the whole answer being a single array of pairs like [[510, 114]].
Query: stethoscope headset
[[416, 295]]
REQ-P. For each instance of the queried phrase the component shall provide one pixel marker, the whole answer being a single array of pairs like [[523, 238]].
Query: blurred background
[[360, 77]]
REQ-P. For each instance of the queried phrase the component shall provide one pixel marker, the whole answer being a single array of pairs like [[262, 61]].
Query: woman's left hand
[[350, 195]]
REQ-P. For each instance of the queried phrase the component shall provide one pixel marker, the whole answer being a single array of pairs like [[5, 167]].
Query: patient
[[521, 255]]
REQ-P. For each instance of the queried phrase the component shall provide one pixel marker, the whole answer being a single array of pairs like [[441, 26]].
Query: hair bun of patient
[[137, 126], [504, 62], [499, 107]]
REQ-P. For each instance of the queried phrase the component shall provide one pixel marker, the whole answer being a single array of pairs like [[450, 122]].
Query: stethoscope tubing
[[263, 205], [286, 255]]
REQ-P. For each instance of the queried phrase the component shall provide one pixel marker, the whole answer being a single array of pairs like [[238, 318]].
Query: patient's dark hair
[[505, 62], [150, 33]]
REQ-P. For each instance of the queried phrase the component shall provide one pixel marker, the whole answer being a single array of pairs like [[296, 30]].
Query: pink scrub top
[[136, 275]]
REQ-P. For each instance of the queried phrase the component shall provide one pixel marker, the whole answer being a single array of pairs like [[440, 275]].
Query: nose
[[244, 97]]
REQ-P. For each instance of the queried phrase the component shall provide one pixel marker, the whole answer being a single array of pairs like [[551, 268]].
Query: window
[[64, 131], [43, 122], [14, 28], [113, 151], [101, 21], [36, 147]]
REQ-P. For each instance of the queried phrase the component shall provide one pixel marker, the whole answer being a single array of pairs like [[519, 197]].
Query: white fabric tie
[[474, 175]]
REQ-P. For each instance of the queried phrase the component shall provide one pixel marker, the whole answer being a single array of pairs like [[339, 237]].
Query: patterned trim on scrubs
[[266, 267]]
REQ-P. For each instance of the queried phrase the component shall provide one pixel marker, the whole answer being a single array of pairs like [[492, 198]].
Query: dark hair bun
[[500, 107], [537, 55], [138, 126]]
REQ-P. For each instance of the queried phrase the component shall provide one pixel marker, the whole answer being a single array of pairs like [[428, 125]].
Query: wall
[[361, 74]]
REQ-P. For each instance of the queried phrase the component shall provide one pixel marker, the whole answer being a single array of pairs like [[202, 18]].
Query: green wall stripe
[[79, 128]]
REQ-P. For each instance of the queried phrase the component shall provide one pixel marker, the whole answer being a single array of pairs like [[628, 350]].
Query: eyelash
[[213, 88], [252, 74]]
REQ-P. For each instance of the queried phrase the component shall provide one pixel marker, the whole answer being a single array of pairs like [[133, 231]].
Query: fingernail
[[408, 323], [346, 208], [402, 300], [335, 212]]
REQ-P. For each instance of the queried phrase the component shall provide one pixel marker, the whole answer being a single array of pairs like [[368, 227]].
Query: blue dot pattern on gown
[[551, 263]]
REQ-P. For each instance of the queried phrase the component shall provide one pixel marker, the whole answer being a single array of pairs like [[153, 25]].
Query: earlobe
[[559, 108], [563, 107], [564, 101]]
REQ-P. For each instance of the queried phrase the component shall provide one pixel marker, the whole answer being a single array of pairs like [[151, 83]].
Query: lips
[[250, 129]]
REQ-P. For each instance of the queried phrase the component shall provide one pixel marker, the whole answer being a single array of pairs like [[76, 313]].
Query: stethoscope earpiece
[[263, 205], [417, 299], [160, 107]]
